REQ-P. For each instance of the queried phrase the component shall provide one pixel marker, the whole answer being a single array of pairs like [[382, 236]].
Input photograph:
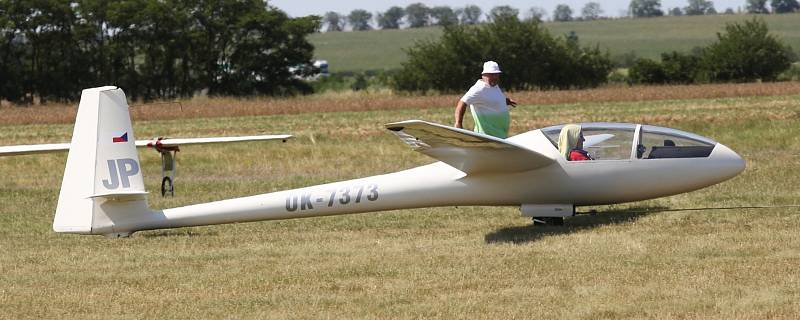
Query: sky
[[616, 8]]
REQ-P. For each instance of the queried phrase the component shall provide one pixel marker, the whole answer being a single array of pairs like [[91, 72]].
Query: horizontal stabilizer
[[121, 195], [468, 151]]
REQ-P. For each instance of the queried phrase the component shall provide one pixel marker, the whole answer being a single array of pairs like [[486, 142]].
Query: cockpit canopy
[[616, 141]]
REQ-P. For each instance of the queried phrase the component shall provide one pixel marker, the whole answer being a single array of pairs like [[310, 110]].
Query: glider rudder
[[102, 182]]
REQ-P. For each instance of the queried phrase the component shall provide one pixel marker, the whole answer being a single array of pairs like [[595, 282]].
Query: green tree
[[335, 21], [13, 53], [591, 11], [51, 58], [391, 18], [756, 6], [359, 19], [680, 68], [674, 68], [161, 39], [647, 71], [746, 51], [501, 12], [471, 14], [676, 12], [152, 48], [259, 64], [699, 7], [452, 63], [536, 13], [443, 16], [645, 8], [418, 15], [784, 6], [562, 13]]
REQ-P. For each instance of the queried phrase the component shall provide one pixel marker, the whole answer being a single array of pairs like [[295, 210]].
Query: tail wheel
[[548, 221], [167, 187]]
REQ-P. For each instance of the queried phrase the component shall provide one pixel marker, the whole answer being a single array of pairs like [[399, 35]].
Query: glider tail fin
[[102, 185]]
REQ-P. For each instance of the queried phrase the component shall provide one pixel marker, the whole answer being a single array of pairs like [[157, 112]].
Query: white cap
[[491, 67]]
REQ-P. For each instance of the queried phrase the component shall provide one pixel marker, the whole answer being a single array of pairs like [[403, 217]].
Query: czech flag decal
[[122, 138]]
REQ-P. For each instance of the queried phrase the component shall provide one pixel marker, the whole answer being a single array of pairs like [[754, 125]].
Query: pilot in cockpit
[[570, 143]]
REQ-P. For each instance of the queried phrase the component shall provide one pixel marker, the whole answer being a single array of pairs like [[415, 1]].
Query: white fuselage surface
[[103, 190], [438, 184]]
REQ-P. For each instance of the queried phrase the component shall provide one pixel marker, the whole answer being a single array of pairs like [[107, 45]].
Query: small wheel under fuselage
[[548, 221]]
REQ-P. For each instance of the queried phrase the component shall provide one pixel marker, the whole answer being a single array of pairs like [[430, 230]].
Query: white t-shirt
[[489, 109]]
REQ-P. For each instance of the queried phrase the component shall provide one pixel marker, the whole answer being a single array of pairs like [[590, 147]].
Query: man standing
[[488, 104]]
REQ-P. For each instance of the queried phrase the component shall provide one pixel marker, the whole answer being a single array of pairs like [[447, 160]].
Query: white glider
[[103, 190]]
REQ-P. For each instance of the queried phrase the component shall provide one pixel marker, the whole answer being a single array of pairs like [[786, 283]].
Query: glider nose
[[729, 163]]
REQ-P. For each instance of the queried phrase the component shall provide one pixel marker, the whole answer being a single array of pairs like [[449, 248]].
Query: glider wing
[[468, 151], [59, 147], [167, 142], [596, 139], [33, 149]]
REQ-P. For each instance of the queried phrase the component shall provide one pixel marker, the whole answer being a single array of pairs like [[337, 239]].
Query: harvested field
[[368, 101]]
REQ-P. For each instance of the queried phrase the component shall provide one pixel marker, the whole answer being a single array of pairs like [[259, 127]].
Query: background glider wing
[[596, 139], [33, 149], [57, 147], [166, 142], [468, 151]]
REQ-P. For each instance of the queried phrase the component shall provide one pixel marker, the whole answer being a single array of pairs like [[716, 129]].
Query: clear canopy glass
[[614, 141]]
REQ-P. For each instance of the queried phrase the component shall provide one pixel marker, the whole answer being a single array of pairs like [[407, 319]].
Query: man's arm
[[461, 107]]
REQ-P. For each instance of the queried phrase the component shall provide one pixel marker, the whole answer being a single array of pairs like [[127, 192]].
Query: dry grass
[[235, 107], [443, 263]]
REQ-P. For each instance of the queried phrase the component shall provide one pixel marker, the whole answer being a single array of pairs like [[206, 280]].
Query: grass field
[[204, 107], [465, 262], [382, 49]]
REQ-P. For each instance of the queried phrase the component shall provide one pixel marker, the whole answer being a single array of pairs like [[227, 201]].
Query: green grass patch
[[383, 49]]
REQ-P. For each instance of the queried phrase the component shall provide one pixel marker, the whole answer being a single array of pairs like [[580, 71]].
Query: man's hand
[[511, 102]]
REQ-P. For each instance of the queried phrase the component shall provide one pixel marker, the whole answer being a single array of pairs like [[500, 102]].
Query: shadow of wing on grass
[[531, 233], [185, 232]]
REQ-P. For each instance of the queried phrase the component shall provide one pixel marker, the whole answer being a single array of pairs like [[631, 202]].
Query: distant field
[[628, 261], [382, 49]]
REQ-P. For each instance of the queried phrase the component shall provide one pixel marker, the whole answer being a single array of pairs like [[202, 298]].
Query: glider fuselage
[[103, 189], [438, 184]]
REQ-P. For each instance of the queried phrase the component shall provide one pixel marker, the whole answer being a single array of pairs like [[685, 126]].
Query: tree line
[[652, 8], [51, 50], [530, 57], [417, 15], [744, 52]]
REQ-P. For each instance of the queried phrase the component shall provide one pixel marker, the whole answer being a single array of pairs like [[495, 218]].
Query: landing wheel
[[548, 221], [167, 187]]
